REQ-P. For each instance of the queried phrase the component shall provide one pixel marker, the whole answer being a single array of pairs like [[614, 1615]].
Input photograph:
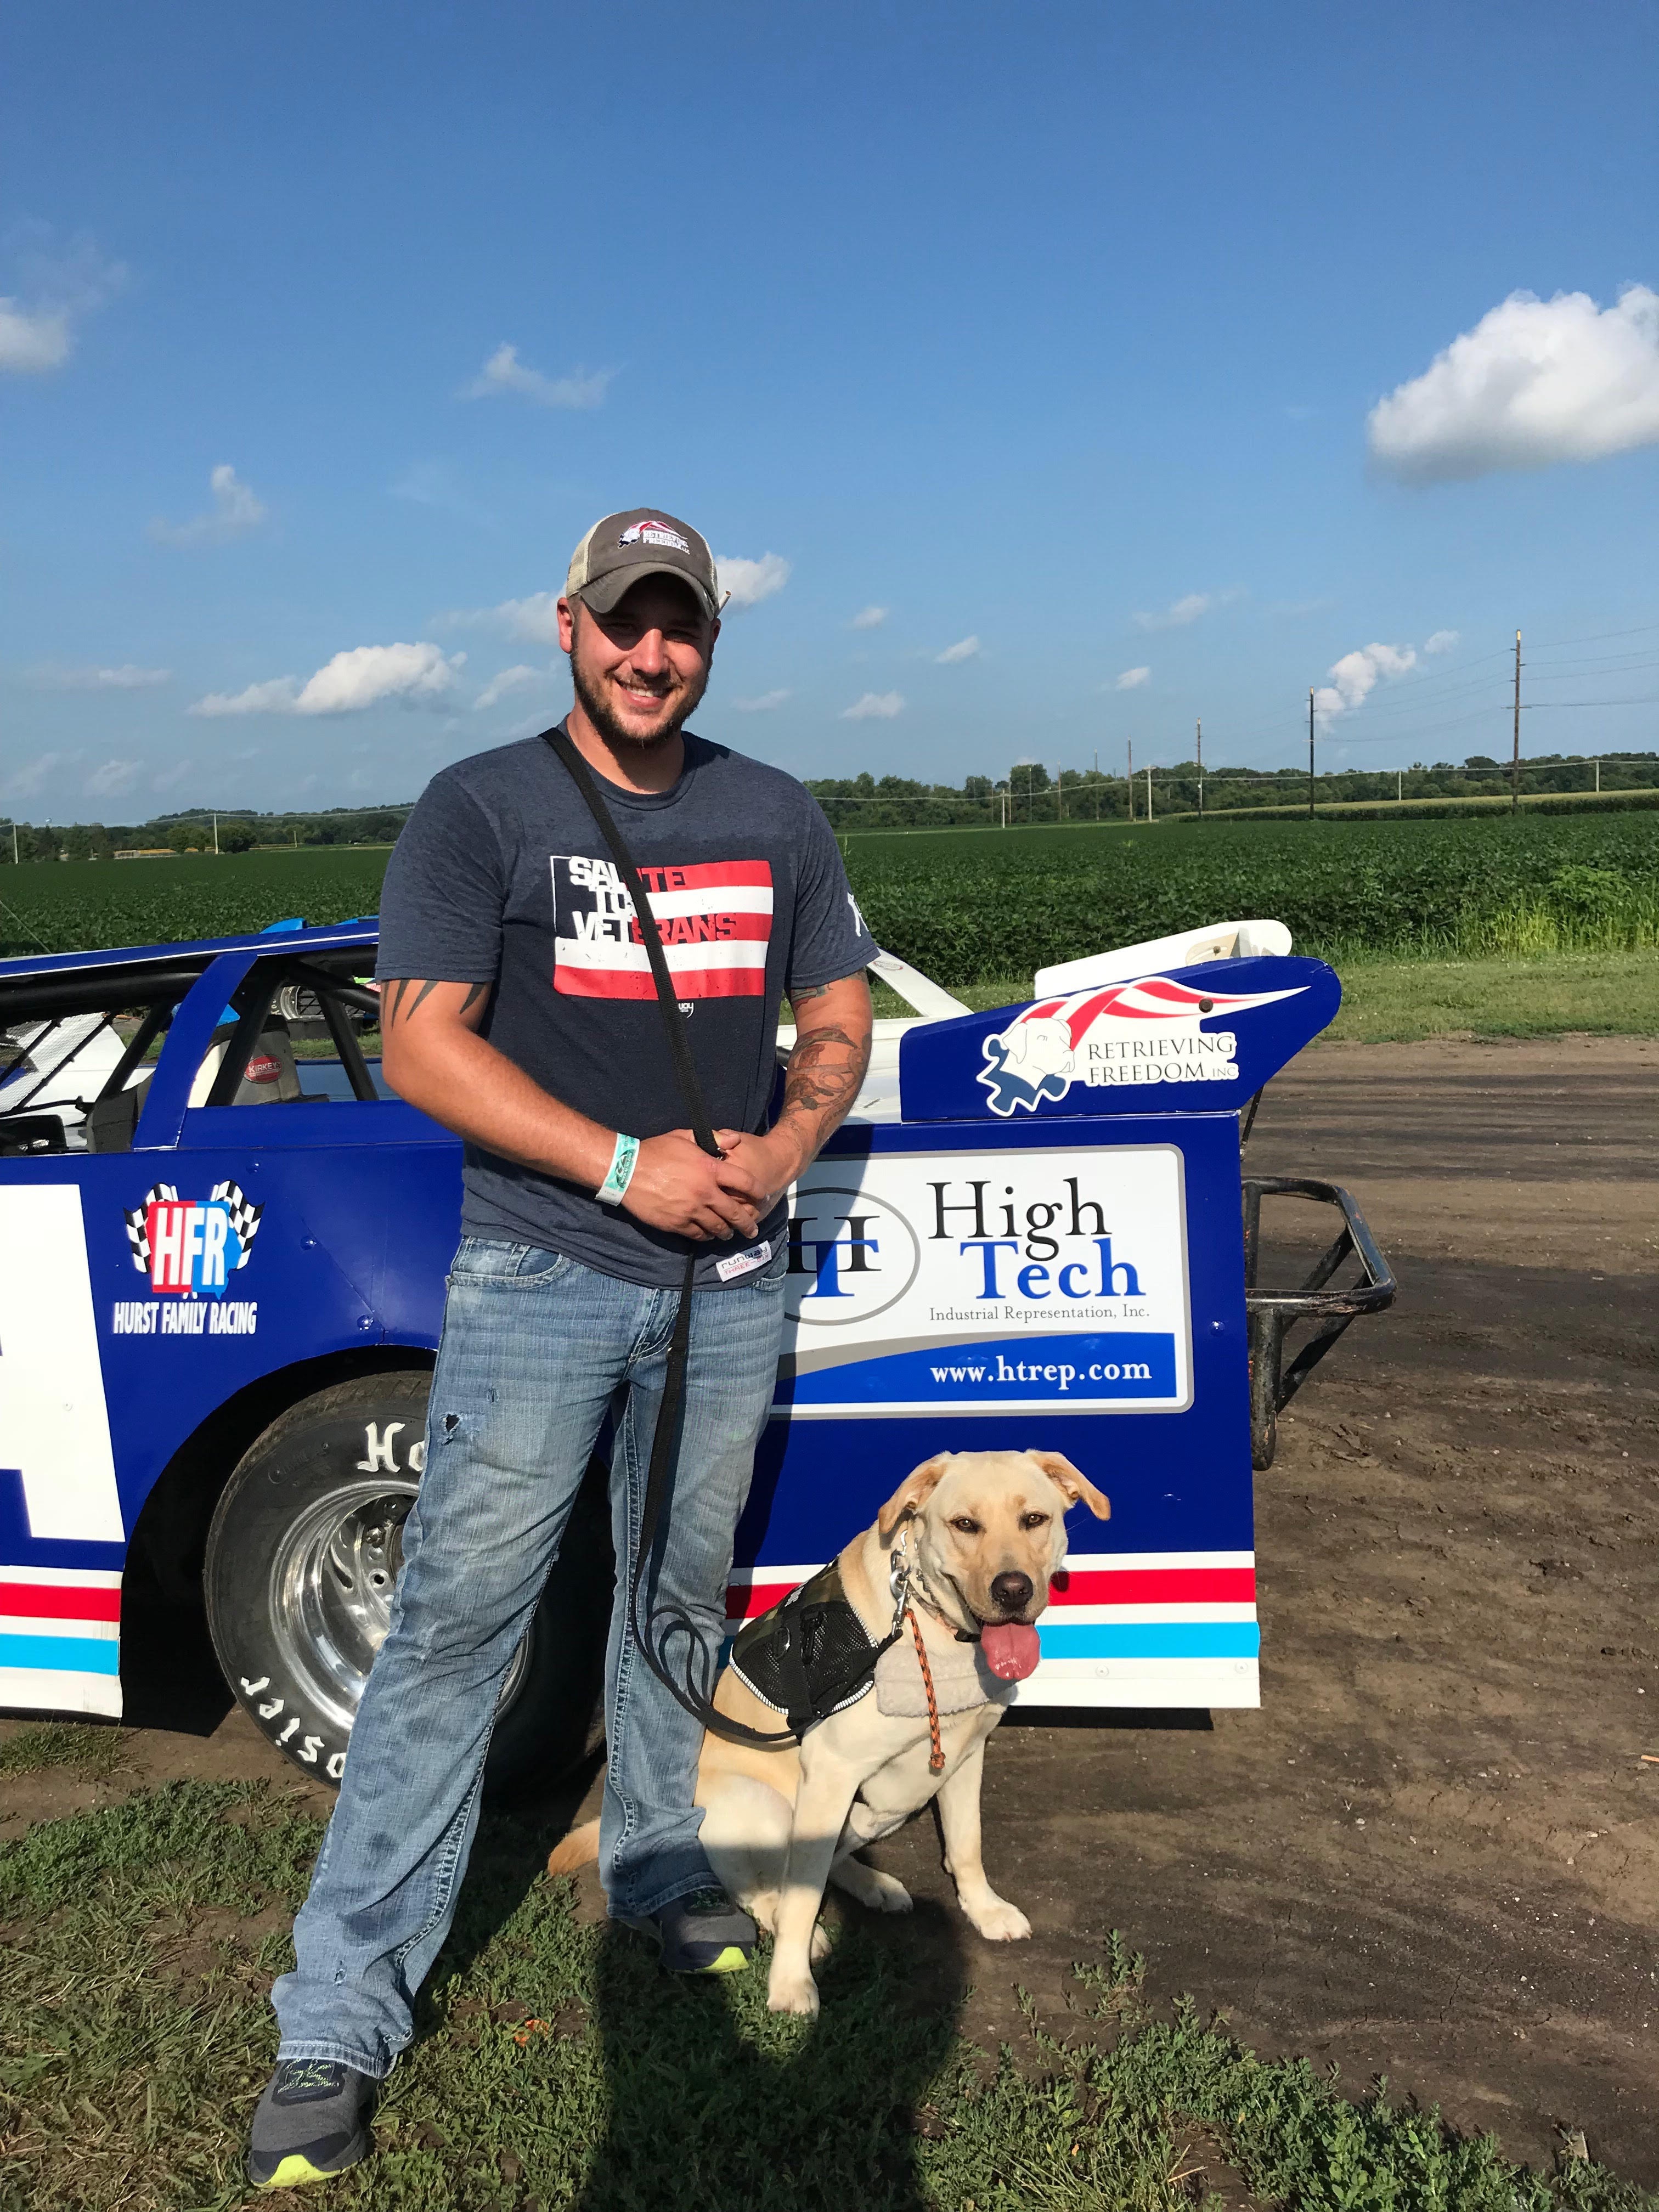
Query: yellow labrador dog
[[973, 1538]]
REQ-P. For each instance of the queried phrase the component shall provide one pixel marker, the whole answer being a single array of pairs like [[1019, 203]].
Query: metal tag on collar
[[898, 1576]]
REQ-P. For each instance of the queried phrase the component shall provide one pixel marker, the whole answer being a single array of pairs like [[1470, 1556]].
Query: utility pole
[[15, 862], [1149, 795], [215, 831], [1060, 793], [1399, 788], [1598, 778], [1199, 726], [1514, 763], [1130, 779], [1311, 763]]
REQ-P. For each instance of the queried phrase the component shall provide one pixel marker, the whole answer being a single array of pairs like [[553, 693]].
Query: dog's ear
[[917, 1487], [1072, 1483]]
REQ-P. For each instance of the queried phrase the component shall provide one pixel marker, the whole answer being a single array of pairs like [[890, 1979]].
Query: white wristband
[[611, 1191]]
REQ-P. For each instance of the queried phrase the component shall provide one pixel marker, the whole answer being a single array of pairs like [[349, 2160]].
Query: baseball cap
[[617, 552]]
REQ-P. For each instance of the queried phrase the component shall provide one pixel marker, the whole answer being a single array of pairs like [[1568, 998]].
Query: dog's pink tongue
[[1012, 1650]]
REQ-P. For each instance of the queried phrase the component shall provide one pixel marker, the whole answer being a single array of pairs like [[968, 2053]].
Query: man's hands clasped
[[678, 1187]]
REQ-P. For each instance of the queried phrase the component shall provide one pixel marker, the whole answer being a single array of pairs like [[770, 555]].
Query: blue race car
[[224, 1279]]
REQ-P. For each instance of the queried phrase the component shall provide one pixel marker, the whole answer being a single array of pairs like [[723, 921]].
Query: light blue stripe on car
[[1155, 1639], [72, 1655]]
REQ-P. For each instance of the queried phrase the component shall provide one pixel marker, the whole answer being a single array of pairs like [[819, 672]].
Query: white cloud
[[874, 706], [25, 781], [66, 282], [1356, 675], [113, 778], [236, 510], [505, 372], [965, 648], [279, 696], [170, 778], [417, 674], [1178, 615], [509, 681], [1132, 679], [536, 618], [1535, 381], [35, 340], [1443, 640], [763, 705], [751, 582], [869, 618], [50, 677]]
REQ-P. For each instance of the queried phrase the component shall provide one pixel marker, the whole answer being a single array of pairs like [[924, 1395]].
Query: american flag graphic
[[1035, 1056], [714, 916]]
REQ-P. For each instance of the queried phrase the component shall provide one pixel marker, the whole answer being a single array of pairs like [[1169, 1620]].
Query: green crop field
[[71, 906], [974, 908], [978, 905]]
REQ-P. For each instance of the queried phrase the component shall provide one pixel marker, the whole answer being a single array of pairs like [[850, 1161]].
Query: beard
[[598, 708]]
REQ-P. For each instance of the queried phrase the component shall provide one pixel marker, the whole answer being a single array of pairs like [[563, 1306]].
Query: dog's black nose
[[1012, 1591]]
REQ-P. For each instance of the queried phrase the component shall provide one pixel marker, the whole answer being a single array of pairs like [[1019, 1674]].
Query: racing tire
[[302, 1560]]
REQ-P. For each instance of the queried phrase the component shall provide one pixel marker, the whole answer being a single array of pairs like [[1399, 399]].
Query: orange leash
[[936, 1753]]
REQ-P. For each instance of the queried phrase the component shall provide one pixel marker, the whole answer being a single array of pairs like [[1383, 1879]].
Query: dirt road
[[1431, 1854]]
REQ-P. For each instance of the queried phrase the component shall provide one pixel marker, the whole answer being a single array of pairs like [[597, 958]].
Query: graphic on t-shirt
[[714, 918]]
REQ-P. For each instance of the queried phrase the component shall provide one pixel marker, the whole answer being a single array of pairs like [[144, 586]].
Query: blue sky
[[1053, 332]]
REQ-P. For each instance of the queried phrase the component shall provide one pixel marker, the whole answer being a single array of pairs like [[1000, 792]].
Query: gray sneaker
[[702, 1933], [313, 2122]]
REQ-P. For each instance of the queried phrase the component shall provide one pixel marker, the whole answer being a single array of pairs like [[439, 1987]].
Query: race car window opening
[[112, 1116], [35, 1052], [334, 997], [242, 1077], [90, 1099]]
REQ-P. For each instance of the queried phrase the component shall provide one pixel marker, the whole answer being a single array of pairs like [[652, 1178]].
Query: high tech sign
[[1056, 1278]]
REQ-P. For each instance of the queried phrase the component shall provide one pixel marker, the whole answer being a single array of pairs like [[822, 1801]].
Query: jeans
[[537, 1350]]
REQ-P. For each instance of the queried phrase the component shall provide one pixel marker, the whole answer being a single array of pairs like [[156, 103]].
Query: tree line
[[194, 832], [1029, 794]]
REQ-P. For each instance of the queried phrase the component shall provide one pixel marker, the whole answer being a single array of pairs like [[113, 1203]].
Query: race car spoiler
[[1182, 1041]]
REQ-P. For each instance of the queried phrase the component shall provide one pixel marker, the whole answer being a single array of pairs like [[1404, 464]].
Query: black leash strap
[[695, 1691]]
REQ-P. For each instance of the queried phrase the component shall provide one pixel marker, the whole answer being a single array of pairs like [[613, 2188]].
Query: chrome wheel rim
[[332, 1587]]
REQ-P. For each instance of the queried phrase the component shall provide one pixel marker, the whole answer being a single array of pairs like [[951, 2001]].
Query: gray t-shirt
[[500, 877]]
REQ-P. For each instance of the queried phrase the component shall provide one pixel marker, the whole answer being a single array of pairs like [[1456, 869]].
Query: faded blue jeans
[[537, 1350]]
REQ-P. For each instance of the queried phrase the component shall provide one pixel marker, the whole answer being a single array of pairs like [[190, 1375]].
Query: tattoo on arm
[[397, 1006], [822, 1077]]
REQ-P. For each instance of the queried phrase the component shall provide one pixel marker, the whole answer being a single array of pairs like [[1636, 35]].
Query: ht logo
[[821, 1256]]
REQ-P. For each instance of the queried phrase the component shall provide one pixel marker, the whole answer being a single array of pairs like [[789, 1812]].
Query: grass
[[1602, 993], [93, 1752], [556, 2068]]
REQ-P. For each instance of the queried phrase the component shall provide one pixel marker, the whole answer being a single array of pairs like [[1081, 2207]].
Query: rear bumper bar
[[1273, 1314]]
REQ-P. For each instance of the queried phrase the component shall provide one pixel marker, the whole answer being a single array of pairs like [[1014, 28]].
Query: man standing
[[518, 1009]]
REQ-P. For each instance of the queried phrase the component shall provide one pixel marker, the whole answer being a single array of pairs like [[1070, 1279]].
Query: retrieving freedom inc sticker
[[1023, 1280]]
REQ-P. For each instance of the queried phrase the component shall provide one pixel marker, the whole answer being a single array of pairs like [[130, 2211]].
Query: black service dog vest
[[812, 1656]]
